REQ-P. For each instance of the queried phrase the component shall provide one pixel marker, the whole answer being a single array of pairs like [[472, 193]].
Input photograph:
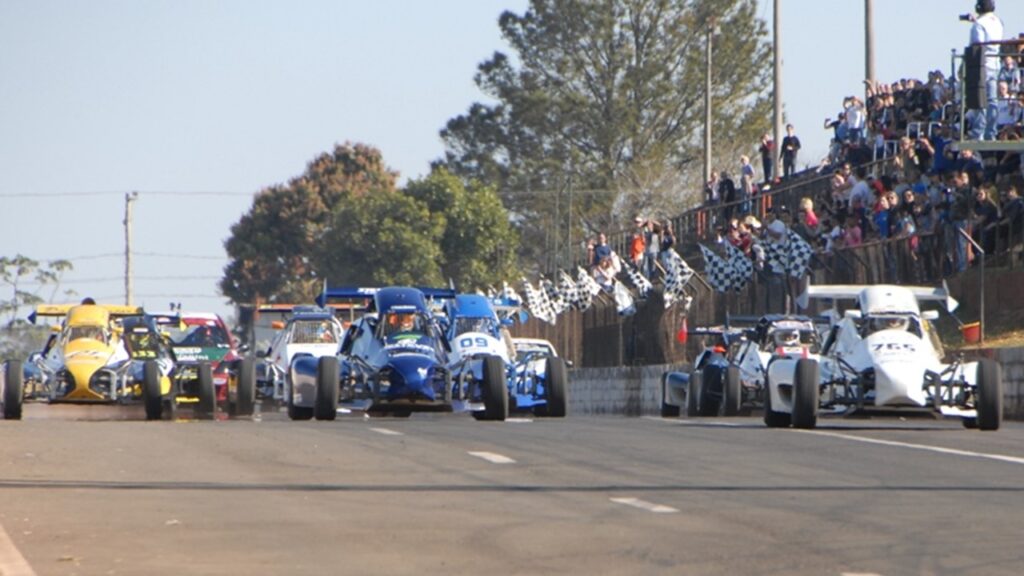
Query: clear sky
[[198, 104]]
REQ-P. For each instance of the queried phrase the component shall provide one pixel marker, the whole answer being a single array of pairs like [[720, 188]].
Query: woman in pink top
[[852, 236]]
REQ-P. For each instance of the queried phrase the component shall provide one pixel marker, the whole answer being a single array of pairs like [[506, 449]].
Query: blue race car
[[393, 360]]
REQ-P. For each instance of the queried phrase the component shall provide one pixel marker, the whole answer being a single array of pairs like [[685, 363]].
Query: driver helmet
[[405, 322], [890, 323], [787, 338]]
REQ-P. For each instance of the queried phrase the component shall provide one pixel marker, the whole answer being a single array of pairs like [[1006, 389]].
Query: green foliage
[[271, 247], [600, 115], [18, 338]]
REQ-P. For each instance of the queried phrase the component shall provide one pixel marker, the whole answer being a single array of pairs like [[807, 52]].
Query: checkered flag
[[558, 304], [799, 254], [742, 268], [567, 289], [643, 285], [586, 288], [623, 300], [537, 302], [718, 272], [677, 275]]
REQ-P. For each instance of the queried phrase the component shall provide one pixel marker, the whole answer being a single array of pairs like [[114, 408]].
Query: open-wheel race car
[[883, 356], [540, 376], [393, 360], [729, 375], [102, 354]]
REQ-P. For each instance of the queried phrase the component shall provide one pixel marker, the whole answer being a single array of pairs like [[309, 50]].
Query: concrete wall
[[636, 390]]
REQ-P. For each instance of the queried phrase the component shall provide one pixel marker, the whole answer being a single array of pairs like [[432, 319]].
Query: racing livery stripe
[[939, 449], [12, 563]]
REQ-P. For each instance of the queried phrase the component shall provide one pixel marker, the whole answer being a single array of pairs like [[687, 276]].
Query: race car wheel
[[297, 412], [207, 406], [773, 419], [693, 391], [709, 405], [989, 393], [14, 390], [494, 389], [556, 388], [805, 394], [667, 410], [731, 392], [152, 400], [245, 390], [327, 378]]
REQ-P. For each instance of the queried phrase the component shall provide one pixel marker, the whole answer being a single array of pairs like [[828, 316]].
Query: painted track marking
[[925, 447], [518, 420], [387, 432], [645, 505], [12, 563], [493, 458]]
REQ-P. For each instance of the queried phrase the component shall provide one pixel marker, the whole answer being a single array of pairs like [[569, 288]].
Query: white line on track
[[493, 458], [939, 449], [701, 422], [12, 563], [859, 574], [519, 420], [644, 505], [387, 432]]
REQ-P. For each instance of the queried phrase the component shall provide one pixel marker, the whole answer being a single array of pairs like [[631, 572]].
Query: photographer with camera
[[987, 28]]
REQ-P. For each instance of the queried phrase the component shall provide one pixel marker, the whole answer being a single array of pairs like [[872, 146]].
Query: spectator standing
[[960, 210], [984, 221], [746, 183], [1009, 230], [852, 234], [988, 28], [790, 147], [668, 242], [601, 249], [636, 244], [767, 150], [652, 246], [1011, 74], [728, 193]]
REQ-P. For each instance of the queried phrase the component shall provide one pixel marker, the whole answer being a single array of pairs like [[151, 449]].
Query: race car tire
[[667, 410], [245, 389], [773, 419], [206, 408], [989, 394], [556, 388], [14, 389], [297, 412], [731, 392], [152, 400], [325, 407], [709, 405], [805, 394], [693, 391], [494, 389]]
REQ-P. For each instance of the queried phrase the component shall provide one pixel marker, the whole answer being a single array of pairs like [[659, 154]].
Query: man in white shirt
[[988, 28]]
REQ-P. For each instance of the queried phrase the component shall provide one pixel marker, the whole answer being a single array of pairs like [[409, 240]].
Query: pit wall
[[636, 390]]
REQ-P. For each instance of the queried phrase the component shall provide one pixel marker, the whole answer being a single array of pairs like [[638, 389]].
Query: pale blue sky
[[204, 96]]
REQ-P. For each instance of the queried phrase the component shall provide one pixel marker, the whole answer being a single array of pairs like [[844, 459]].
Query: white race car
[[309, 331], [883, 356]]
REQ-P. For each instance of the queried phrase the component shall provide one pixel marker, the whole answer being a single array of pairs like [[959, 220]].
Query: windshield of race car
[[92, 332], [314, 332], [483, 325], [201, 335], [402, 325], [142, 344], [899, 323], [524, 351]]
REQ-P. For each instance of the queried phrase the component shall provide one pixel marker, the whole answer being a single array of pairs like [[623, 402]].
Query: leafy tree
[[18, 338], [381, 239], [600, 114], [271, 246], [478, 245]]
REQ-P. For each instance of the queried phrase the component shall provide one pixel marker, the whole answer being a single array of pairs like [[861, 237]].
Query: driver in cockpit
[[787, 338], [889, 323]]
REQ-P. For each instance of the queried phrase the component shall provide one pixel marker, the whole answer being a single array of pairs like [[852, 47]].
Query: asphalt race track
[[91, 491]]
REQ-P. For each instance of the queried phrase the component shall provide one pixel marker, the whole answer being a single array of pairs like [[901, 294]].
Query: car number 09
[[470, 342]]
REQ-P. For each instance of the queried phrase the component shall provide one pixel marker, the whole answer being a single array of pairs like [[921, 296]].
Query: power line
[[88, 193], [183, 256]]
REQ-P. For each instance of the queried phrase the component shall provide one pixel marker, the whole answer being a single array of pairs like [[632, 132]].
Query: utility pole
[[777, 82], [869, 41], [707, 100], [128, 289]]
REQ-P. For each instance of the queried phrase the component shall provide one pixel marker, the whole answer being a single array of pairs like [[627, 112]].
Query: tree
[[18, 338], [600, 115], [478, 245], [271, 246], [386, 238]]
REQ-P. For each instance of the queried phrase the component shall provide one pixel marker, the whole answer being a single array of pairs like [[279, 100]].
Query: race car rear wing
[[61, 310], [855, 291], [363, 293]]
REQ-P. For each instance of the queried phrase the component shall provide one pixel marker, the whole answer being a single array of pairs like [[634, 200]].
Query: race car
[[883, 356], [100, 354], [309, 331], [479, 350], [393, 360], [539, 378], [203, 338], [712, 386]]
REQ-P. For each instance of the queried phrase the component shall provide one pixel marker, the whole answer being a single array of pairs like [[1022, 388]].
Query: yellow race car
[[100, 354]]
